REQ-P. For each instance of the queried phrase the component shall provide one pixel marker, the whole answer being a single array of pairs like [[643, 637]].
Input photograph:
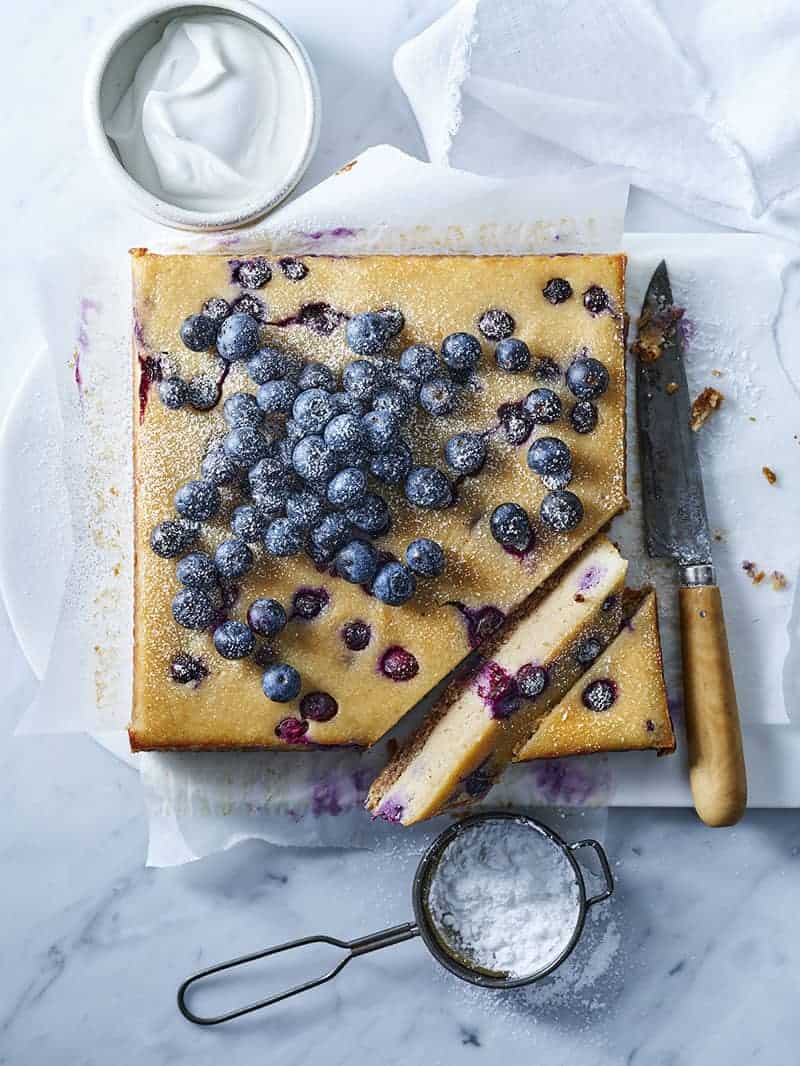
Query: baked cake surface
[[460, 752], [410, 648], [619, 704]]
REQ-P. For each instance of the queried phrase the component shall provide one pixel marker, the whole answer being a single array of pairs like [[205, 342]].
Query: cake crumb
[[707, 402], [778, 580], [753, 572], [347, 166], [769, 474], [671, 388], [718, 534], [392, 747], [579, 597], [653, 329], [715, 373]]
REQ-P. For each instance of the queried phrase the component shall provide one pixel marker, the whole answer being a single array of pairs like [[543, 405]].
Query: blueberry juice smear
[[150, 373], [319, 317]]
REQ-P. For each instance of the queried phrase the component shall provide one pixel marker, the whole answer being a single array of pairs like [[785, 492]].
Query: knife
[[676, 527]]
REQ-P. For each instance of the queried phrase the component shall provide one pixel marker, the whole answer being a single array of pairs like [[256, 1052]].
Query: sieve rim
[[433, 940]]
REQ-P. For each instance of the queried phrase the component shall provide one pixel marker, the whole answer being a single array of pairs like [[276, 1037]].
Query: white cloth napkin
[[698, 99]]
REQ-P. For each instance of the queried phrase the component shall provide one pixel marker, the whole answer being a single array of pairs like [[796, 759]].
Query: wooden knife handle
[[716, 761]]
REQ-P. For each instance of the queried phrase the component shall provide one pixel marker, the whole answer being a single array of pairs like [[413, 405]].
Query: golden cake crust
[[438, 295]]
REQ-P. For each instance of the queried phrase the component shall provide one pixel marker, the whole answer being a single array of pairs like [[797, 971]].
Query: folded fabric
[[698, 101]]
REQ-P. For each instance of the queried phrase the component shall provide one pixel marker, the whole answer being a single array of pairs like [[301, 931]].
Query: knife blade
[[676, 524]]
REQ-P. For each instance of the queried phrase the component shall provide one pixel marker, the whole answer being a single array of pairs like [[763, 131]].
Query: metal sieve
[[424, 925]]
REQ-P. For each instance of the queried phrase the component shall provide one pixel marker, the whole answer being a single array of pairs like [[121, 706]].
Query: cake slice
[[619, 704], [459, 752], [362, 664]]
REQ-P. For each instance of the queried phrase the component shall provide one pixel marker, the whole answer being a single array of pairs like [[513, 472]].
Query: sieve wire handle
[[599, 851], [386, 938]]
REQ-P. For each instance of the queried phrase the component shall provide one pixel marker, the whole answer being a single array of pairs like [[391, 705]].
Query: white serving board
[[35, 546]]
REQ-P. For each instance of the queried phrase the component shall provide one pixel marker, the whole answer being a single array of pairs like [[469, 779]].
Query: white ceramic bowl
[[111, 71]]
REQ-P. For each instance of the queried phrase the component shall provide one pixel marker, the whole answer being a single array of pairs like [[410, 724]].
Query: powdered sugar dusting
[[504, 898]]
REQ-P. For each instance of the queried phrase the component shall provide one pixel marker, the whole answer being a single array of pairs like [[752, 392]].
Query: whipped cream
[[212, 115]]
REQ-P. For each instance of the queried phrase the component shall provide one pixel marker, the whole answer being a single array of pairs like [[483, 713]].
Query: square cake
[[273, 556]]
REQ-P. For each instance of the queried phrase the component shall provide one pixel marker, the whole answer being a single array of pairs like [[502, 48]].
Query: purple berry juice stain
[[292, 730], [150, 373], [498, 690], [391, 810], [319, 317], [590, 578], [337, 231]]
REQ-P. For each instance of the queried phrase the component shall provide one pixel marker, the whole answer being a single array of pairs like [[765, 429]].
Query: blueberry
[[438, 396], [270, 474], [198, 332], [173, 393], [252, 273], [217, 467], [583, 416], [168, 539], [271, 364], [327, 537], [356, 635], [346, 434], [587, 378], [346, 403], [276, 397], [394, 318], [348, 487], [595, 300], [318, 706], [546, 369], [233, 558], [588, 650], [283, 538], [270, 502], [398, 664], [197, 571], [425, 557], [203, 392], [531, 681], [407, 385], [371, 515], [427, 487], [216, 309], [361, 378], [304, 508], [466, 453], [238, 337], [308, 603], [281, 683], [248, 523], [512, 354], [317, 376], [367, 334], [421, 362], [185, 668], [356, 562], [394, 584], [391, 465], [557, 290], [550, 457], [461, 351], [600, 695], [234, 640], [395, 401], [561, 511], [382, 429], [496, 325], [511, 527], [543, 406], [293, 269], [516, 423], [245, 445], [197, 500], [241, 409], [313, 459], [266, 617], [193, 609], [249, 304], [313, 409]]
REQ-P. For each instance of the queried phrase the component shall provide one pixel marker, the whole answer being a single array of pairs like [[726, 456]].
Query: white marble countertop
[[94, 944]]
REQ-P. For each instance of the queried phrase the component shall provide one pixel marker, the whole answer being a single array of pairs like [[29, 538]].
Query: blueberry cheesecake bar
[[349, 473]]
